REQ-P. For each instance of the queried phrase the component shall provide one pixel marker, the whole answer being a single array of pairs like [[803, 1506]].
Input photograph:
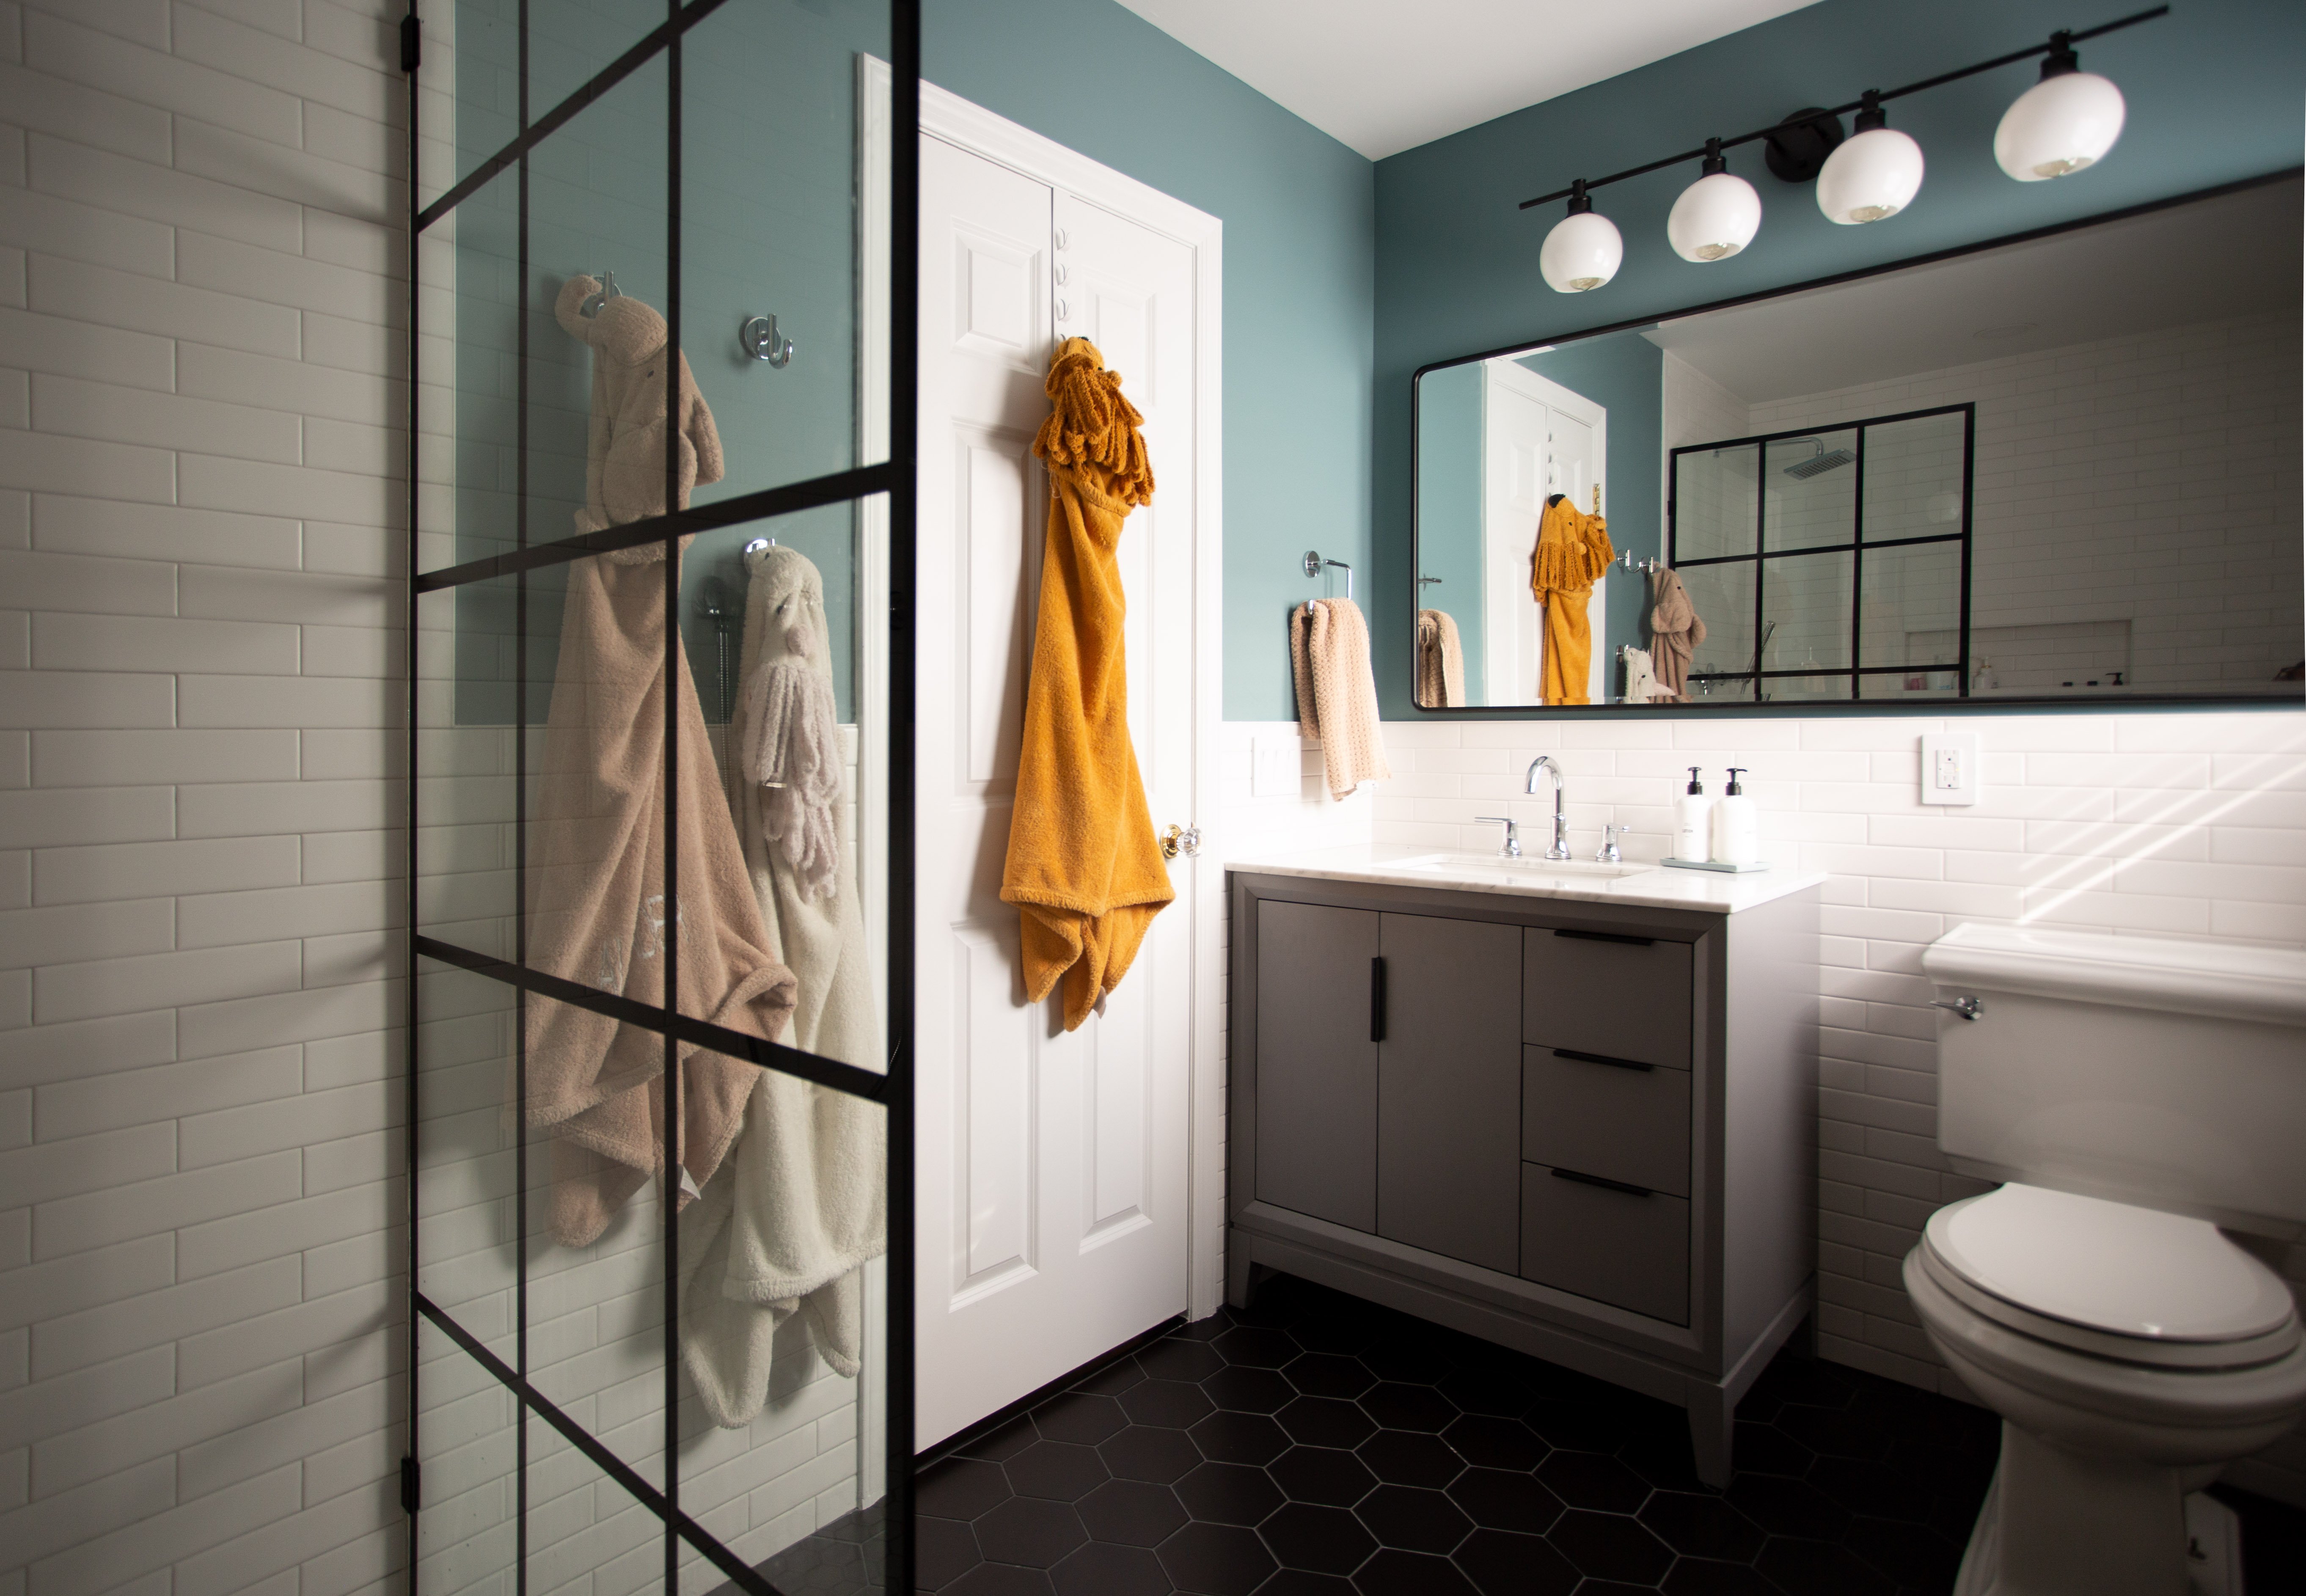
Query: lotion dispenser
[[1693, 830], [1737, 827]]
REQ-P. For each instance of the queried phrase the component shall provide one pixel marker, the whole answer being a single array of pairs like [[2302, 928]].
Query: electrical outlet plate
[[1276, 766], [1950, 768]]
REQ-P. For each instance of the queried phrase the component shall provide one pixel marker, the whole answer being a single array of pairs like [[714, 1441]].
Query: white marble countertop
[[1647, 887]]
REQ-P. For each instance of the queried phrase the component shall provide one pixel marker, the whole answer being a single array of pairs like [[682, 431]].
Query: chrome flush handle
[[1968, 1008]]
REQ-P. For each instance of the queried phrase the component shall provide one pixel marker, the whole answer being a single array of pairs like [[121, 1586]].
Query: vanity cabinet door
[[1449, 1089], [1317, 1072]]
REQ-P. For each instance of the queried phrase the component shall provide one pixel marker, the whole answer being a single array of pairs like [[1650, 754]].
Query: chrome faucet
[[1560, 848]]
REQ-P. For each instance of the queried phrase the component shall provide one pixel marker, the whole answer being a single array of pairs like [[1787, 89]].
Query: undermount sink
[[1462, 864]]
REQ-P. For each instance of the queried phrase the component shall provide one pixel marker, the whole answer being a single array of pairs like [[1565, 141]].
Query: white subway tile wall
[[199, 537], [2187, 825]]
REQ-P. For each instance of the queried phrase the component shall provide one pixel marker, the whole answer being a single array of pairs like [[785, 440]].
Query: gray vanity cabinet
[[1585, 1130]]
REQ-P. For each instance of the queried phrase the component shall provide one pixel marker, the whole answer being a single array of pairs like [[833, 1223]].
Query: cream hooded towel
[[806, 1205]]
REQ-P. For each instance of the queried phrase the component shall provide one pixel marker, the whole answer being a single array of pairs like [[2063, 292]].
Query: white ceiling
[[2235, 255], [1382, 76]]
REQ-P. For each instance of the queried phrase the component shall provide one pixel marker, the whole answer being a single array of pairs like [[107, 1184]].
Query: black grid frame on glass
[[1404, 608], [1751, 684], [893, 478]]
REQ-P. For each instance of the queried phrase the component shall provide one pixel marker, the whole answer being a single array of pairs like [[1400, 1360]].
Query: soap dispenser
[[1693, 827], [1736, 828]]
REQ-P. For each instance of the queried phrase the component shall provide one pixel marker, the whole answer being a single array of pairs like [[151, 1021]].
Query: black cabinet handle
[[1377, 999], [1603, 1058], [1595, 1179], [1638, 942]]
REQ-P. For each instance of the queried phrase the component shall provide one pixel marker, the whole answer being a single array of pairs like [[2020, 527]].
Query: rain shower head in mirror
[[2023, 471]]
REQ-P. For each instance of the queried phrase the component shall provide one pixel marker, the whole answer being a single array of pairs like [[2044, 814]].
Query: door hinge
[[411, 1486], [411, 43]]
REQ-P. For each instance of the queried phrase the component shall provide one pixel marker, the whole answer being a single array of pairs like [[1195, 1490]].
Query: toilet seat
[[2131, 1284]]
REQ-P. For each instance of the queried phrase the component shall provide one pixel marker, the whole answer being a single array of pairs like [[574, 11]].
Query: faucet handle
[[1512, 847], [1610, 854]]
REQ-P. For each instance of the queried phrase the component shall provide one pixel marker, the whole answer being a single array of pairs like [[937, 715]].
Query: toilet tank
[[2169, 1074]]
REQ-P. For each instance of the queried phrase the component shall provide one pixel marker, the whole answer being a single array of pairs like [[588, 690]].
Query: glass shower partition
[[658, 1115]]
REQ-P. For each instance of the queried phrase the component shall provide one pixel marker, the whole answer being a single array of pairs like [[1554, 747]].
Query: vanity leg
[[1711, 1417], [1241, 1275]]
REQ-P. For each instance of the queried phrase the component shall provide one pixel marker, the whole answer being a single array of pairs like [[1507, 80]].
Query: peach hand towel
[[1573, 553], [1336, 695], [1083, 869]]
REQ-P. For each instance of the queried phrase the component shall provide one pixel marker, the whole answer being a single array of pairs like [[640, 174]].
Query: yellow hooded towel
[[1084, 868], [1573, 553]]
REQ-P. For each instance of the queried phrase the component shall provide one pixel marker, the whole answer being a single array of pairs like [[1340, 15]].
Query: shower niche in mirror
[[2058, 469]]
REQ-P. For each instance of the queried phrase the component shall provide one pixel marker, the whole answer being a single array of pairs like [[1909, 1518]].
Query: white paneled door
[[1538, 438], [1053, 1168]]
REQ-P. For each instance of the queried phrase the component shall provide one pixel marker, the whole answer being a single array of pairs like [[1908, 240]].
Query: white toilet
[[2136, 1094]]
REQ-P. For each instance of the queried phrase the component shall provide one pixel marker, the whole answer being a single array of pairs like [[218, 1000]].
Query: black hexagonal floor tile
[[1172, 1405], [1396, 1406], [1297, 1582], [1765, 1449], [1411, 1355], [1030, 1531], [962, 1487], [942, 1551], [1322, 1474], [1588, 1479], [1606, 1546], [1502, 1564], [1328, 1374], [1789, 1506], [1877, 1489], [1835, 1433], [1159, 1456], [1239, 1438], [1172, 1358], [1112, 1379], [1059, 1471], [1324, 1422], [1702, 1526], [1101, 1570], [1402, 1457], [1393, 1573], [1240, 1389], [1216, 1559], [1506, 1500], [1079, 1417], [1228, 1493], [1131, 1513], [1317, 1540], [1001, 1579], [1578, 1426], [1410, 1519], [1698, 1576], [996, 1445], [1495, 1443], [1256, 1347], [1496, 1392], [1914, 1556], [1814, 1568]]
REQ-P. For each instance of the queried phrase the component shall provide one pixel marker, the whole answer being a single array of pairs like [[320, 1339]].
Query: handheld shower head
[[1820, 461]]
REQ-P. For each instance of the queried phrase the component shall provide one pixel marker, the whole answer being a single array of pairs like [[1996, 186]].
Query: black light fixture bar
[[1805, 118]]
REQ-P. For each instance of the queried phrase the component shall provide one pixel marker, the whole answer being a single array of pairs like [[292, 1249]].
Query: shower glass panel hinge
[[411, 1486], [411, 43]]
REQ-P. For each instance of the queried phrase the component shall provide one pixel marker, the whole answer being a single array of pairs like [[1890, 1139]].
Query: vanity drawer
[[1624, 1249], [1609, 1119], [1623, 996]]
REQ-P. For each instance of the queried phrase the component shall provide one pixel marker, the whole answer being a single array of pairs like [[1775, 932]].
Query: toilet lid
[[2110, 1266]]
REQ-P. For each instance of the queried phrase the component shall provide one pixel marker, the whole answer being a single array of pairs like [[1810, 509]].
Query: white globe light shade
[[1870, 177], [1715, 218], [2059, 125], [1580, 253]]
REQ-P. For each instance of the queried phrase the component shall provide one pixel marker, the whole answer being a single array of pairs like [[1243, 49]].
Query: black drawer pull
[[1595, 1179], [1603, 1058], [1377, 999], [1638, 942]]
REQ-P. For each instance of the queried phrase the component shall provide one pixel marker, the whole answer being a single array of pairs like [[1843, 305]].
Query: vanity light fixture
[[2066, 121], [1717, 216], [2062, 124], [1583, 249], [1872, 175]]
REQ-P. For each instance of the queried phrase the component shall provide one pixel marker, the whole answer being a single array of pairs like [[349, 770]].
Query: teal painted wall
[[1300, 221], [2214, 96], [1450, 409]]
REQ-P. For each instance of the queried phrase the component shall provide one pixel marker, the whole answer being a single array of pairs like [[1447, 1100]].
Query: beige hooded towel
[[805, 1205], [624, 442], [1675, 632], [602, 911]]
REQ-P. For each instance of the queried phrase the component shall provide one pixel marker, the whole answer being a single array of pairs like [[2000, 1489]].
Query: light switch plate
[[1949, 769], [1276, 764]]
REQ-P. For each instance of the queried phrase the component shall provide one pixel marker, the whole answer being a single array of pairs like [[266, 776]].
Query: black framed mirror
[[2056, 470]]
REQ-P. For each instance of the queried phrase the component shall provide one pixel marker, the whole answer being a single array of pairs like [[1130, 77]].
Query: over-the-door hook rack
[[760, 338], [1643, 563], [593, 301], [1314, 562]]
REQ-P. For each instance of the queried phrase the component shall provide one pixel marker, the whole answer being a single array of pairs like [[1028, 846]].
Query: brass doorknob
[[1180, 838]]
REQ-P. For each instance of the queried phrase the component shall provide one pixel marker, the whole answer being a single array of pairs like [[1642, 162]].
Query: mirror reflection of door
[[1538, 438]]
